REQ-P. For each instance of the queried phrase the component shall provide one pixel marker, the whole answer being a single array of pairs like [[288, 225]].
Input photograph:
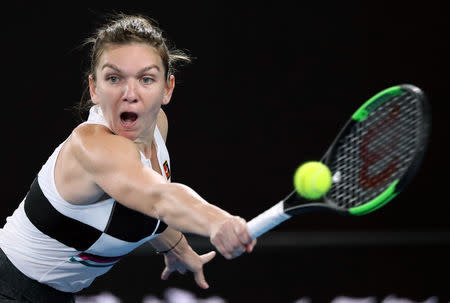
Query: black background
[[269, 88]]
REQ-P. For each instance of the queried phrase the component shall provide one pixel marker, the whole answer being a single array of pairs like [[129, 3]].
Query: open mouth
[[128, 119]]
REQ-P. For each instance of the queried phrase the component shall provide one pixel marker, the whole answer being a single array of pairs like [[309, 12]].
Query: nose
[[130, 94]]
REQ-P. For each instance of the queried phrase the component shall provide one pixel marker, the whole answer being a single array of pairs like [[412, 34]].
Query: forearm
[[168, 240], [183, 209]]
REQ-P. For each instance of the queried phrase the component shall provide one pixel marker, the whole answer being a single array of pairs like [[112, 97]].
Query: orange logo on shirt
[[166, 169]]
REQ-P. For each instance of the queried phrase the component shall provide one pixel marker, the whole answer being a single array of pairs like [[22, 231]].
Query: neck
[[145, 141]]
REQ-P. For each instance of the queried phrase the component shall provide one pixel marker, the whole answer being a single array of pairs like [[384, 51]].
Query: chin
[[131, 135]]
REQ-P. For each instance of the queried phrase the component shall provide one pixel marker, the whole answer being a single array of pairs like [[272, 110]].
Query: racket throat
[[294, 205]]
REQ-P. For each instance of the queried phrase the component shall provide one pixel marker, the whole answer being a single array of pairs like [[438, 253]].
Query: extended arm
[[113, 163]]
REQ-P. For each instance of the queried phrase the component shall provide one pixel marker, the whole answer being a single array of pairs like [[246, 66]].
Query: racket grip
[[267, 220]]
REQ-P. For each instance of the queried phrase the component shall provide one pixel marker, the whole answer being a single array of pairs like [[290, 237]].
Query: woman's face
[[130, 87]]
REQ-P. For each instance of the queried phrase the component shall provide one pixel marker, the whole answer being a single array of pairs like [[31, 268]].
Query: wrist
[[172, 247]]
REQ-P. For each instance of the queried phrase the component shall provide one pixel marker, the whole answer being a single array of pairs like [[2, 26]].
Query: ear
[[92, 89], [170, 85]]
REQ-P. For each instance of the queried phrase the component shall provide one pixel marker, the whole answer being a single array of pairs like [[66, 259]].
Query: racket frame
[[294, 204], [294, 200]]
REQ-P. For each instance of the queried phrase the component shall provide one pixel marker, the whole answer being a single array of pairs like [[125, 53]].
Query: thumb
[[208, 257]]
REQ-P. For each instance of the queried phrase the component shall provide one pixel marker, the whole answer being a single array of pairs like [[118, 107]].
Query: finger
[[208, 257], [238, 252], [220, 246], [226, 253], [234, 244], [249, 247], [200, 279], [166, 273], [242, 232], [233, 252], [227, 241]]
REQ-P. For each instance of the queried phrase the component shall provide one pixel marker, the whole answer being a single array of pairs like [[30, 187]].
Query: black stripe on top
[[130, 225], [51, 222], [124, 223]]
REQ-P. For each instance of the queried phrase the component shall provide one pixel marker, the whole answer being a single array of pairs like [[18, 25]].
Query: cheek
[[153, 102], [106, 93], [153, 96]]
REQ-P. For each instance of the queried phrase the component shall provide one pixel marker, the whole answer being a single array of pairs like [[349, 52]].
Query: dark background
[[269, 88]]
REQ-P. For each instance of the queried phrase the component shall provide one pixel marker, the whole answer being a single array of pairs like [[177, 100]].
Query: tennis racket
[[373, 158]]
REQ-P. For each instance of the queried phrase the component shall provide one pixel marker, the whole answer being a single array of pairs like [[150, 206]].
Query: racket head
[[379, 150]]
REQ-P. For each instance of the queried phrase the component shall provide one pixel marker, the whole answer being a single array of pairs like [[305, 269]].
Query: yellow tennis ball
[[312, 180]]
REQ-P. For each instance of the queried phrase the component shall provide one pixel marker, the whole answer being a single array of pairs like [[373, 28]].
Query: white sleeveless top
[[67, 246]]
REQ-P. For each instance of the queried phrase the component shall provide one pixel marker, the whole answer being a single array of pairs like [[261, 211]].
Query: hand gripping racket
[[372, 159]]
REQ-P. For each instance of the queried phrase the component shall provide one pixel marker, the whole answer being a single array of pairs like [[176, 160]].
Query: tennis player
[[106, 189]]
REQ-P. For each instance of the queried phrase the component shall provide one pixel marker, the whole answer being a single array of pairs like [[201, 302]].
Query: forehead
[[130, 56]]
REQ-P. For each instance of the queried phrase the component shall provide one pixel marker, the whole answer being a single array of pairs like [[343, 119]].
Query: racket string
[[376, 151]]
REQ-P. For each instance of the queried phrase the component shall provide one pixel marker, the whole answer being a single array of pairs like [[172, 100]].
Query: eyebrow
[[143, 70]]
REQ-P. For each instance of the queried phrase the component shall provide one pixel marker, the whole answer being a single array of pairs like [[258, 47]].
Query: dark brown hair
[[124, 29]]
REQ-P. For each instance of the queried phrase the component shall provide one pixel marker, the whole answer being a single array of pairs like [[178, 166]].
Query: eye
[[113, 79], [147, 80]]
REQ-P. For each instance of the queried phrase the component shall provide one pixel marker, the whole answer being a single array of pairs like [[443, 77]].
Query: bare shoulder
[[75, 183], [86, 131], [94, 162], [95, 145], [108, 164], [163, 124]]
